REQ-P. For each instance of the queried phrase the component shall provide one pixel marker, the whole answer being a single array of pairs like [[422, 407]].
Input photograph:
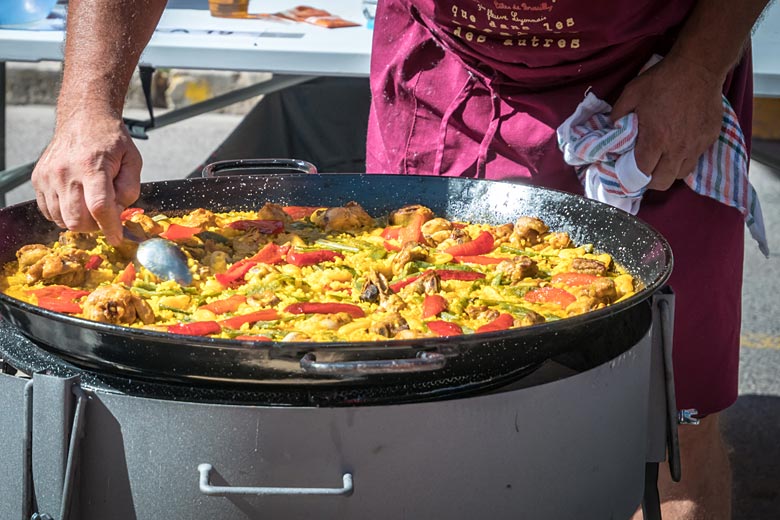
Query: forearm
[[104, 41], [715, 33]]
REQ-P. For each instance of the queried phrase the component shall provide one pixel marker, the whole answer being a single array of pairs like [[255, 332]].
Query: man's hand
[[88, 174], [679, 108]]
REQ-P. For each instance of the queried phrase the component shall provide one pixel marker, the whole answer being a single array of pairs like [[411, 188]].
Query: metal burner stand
[[572, 447]]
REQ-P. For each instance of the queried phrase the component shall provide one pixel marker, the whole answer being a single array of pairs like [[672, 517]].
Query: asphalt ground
[[752, 425]]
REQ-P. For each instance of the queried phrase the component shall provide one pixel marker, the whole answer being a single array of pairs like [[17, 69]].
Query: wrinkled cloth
[[603, 154]]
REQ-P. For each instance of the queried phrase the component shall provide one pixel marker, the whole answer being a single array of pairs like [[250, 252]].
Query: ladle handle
[[425, 361], [257, 167]]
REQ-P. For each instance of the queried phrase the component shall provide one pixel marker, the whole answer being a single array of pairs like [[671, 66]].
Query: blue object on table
[[14, 12]]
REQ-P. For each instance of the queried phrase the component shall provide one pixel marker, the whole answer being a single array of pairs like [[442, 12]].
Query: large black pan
[[408, 366]]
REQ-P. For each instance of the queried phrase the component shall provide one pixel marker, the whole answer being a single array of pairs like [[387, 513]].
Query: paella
[[323, 274]]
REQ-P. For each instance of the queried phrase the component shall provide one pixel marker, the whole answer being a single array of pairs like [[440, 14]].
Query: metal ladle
[[161, 257]]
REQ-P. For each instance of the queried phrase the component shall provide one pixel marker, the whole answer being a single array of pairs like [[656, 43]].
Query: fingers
[[664, 174], [100, 201], [624, 105]]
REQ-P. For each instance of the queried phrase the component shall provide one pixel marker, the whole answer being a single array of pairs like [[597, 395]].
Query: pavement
[[752, 425]]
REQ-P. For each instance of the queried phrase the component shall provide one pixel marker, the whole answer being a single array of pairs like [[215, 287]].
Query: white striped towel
[[603, 154]]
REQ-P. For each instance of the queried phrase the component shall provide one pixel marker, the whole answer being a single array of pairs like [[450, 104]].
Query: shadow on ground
[[752, 429]]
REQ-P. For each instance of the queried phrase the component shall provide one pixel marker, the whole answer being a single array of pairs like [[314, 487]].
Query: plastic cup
[[229, 8]]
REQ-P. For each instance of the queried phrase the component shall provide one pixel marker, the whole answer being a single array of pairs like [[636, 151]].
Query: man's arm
[[91, 169], [678, 102]]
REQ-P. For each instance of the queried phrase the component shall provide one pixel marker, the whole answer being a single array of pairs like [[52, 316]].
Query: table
[[188, 37]]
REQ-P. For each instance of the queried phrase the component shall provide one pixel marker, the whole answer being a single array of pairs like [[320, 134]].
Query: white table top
[[193, 39]]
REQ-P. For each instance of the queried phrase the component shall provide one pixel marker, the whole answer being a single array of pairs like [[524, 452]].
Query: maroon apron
[[476, 88]]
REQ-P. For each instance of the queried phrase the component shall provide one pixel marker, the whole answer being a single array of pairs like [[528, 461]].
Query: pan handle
[[425, 361], [208, 489], [257, 167]]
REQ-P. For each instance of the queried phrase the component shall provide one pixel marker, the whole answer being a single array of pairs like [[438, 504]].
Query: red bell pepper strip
[[269, 254], [391, 232], [300, 212], [127, 276], [60, 292], [325, 308], [479, 246], [128, 213], [177, 232], [235, 275], [93, 262], [444, 328], [236, 321], [574, 279], [433, 304], [400, 284], [252, 338], [412, 232], [503, 322], [550, 295], [302, 259], [59, 305], [454, 274], [481, 260], [390, 247], [195, 328], [268, 227], [226, 305]]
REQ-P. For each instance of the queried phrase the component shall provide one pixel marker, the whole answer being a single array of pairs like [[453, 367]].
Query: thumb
[[624, 105]]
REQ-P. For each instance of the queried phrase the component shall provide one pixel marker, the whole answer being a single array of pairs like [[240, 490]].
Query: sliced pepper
[[235, 275], [412, 232], [479, 246], [269, 254], [574, 279], [264, 315], [128, 213], [480, 259], [550, 295], [455, 274], [444, 328], [433, 304], [325, 308], [390, 246], [226, 305], [59, 305], [178, 232], [195, 328], [503, 322], [127, 276], [62, 292], [391, 232], [268, 227], [305, 258], [93, 262]]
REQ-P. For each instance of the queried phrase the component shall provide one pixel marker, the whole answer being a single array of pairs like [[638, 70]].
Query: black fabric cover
[[322, 121]]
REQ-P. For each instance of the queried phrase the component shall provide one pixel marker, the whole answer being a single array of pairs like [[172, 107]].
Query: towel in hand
[[603, 153]]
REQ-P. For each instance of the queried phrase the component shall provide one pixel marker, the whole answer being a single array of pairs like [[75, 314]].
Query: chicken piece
[[78, 240], [518, 268], [117, 305], [502, 234], [389, 325], [481, 313], [589, 266], [393, 303], [558, 240], [599, 294], [437, 230], [375, 288], [403, 216], [428, 283], [30, 254], [201, 218], [409, 334], [409, 252], [530, 318], [349, 217], [143, 226], [319, 322], [272, 211], [457, 236], [263, 300], [63, 267], [528, 231], [247, 244]]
